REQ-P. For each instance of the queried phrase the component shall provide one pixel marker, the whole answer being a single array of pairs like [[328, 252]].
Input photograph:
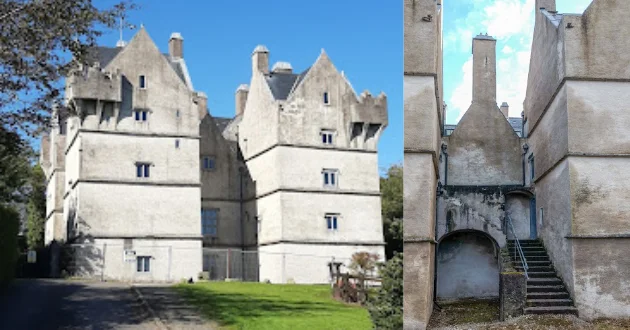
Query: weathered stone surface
[[513, 294]]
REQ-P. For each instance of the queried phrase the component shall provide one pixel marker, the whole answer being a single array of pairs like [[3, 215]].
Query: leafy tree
[[386, 307], [36, 209], [9, 227], [14, 166], [40, 42], [363, 263], [392, 209]]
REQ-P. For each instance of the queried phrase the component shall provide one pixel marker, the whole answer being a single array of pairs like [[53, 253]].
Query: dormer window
[[326, 99], [143, 82], [327, 136]]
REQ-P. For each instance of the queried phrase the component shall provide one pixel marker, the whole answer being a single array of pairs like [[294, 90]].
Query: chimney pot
[[505, 110], [282, 67]]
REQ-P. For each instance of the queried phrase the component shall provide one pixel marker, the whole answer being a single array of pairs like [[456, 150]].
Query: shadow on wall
[[467, 266]]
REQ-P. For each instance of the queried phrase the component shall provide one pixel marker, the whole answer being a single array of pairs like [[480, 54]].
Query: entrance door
[[533, 234]]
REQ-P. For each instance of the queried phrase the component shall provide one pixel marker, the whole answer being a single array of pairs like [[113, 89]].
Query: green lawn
[[262, 306]]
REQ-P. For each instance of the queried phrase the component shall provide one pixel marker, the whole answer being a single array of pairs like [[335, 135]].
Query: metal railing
[[517, 246]]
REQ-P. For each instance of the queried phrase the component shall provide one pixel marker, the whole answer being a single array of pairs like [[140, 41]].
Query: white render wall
[[306, 263]]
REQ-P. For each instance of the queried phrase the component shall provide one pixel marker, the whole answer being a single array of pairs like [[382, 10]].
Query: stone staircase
[[546, 293]]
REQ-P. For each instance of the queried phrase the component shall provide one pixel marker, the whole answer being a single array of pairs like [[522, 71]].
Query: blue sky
[[363, 38], [511, 22]]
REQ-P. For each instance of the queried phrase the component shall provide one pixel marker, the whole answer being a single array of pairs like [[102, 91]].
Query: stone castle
[[554, 182], [148, 186]]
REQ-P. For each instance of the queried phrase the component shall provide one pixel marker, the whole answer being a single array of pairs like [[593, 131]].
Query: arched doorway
[[520, 205], [467, 266]]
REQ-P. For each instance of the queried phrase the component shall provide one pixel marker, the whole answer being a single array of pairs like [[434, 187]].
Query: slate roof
[[282, 84], [222, 122]]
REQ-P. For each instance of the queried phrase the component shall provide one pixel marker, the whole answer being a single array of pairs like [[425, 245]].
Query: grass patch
[[236, 305]]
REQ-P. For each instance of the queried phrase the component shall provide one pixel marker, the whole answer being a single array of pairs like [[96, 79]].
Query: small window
[[531, 167], [542, 214], [141, 115], [177, 143], [326, 100], [331, 221], [143, 264], [208, 163], [143, 82], [209, 222], [327, 137], [142, 170], [330, 178], [177, 114]]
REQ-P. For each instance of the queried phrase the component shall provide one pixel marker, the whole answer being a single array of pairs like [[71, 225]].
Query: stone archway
[[467, 266]]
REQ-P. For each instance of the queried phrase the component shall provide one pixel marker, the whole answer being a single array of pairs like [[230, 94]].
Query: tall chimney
[[260, 59], [505, 110], [241, 98], [484, 69], [176, 46], [202, 104], [549, 5]]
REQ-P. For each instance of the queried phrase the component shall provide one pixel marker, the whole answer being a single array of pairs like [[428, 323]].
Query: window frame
[[143, 170], [211, 160], [327, 137], [332, 221], [532, 172], [143, 264], [330, 178], [142, 81], [326, 97], [210, 225]]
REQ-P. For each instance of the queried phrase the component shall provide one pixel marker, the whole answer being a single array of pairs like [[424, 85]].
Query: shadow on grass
[[234, 308]]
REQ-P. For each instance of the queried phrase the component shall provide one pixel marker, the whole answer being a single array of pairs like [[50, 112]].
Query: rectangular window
[[326, 100], [209, 219], [143, 264], [542, 214], [177, 143], [141, 115], [330, 177], [327, 137], [208, 163], [142, 170], [331, 221], [531, 167], [143, 82]]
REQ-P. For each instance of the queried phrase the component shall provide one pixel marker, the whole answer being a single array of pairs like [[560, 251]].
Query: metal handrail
[[517, 246]]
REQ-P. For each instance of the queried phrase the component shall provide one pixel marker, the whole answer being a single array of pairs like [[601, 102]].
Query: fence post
[[227, 260], [103, 263], [284, 269]]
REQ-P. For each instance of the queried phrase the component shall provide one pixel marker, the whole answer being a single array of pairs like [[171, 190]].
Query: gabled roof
[[222, 122], [515, 122], [104, 55]]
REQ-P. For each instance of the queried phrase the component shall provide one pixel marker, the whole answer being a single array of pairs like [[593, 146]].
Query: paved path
[[171, 309], [62, 304]]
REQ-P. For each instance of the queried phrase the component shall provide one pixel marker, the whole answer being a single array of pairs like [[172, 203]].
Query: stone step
[[520, 268], [551, 310], [527, 247], [538, 263], [544, 281], [549, 302], [545, 288], [547, 295], [529, 253], [533, 274], [535, 258]]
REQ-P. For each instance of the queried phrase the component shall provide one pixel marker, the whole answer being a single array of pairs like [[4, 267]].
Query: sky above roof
[[362, 38], [511, 22]]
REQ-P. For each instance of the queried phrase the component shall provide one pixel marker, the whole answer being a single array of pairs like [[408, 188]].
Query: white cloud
[[507, 50], [462, 95]]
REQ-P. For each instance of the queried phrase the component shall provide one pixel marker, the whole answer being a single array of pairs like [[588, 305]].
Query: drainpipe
[[240, 183], [525, 149], [437, 195], [444, 147]]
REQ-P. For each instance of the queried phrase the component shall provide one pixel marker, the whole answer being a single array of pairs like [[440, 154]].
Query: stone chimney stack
[[282, 67], [202, 104], [549, 5], [241, 98], [505, 110], [176, 46], [484, 69], [260, 59]]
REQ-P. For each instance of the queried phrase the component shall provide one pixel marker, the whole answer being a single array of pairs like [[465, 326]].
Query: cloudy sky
[[511, 22]]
